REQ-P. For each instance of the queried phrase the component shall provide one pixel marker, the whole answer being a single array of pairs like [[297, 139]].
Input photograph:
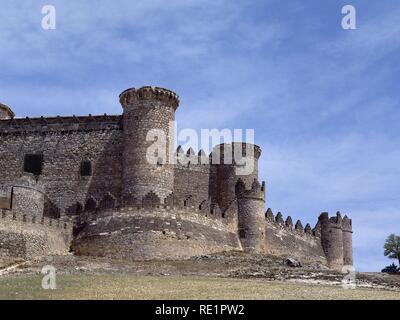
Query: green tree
[[392, 247]]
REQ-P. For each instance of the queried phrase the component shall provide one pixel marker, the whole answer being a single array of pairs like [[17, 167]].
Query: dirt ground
[[233, 276]]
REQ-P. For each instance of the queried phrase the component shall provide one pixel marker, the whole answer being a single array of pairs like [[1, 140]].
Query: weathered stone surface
[[27, 237], [155, 233], [95, 172]]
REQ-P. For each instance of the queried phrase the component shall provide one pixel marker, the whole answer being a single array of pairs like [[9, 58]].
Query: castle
[[84, 184]]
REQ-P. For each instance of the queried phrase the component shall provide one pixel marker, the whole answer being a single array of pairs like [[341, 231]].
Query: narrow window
[[86, 168], [33, 163]]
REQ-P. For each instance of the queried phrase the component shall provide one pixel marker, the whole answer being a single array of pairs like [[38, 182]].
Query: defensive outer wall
[[123, 206]]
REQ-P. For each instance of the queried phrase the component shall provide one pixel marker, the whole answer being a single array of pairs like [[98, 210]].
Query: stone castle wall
[[25, 236], [147, 109], [155, 233], [251, 222], [285, 239], [26, 230], [27, 201], [192, 183], [130, 208], [65, 143]]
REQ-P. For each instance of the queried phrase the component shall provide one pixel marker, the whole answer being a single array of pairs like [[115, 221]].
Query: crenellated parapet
[[286, 237], [231, 153], [191, 159], [60, 125], [336, 238], [130, 193], [184, 212], [308, 230], [269, 216], [151, 201], [132, 95], [288, 222], [256, 192], [279, 219], [347, 225], [56, 224], [143, 233], [229, 162], [297, 229], [31, 236]]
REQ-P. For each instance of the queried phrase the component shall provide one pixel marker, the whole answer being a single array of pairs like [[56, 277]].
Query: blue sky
[[324, 102]]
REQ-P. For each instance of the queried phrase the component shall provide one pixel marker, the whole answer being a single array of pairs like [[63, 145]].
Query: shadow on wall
[[101, 189], [26, 196]]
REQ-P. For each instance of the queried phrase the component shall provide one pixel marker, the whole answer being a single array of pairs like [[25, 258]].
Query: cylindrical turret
[[347, 241], [237, 160], [5, 112], [28, 197], [332, 239], [147, 169], [251, 221]]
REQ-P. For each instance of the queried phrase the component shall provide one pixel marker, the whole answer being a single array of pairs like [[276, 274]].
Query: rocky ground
[[232, 265]]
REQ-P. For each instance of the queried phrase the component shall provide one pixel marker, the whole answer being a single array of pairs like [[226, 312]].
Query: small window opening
[[86, 169], [33, 163]]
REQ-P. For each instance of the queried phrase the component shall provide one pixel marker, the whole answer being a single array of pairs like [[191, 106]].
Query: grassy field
[[149, 287]]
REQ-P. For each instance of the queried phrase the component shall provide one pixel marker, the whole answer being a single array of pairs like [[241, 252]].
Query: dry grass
[[149, 287]]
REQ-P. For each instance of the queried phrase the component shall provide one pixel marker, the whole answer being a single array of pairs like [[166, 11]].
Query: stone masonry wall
[[192, 181], [129, 208], [25, 236], [147, 109], [155, 233], [284, 239], [65, 143], [332, 239], [28, 201]]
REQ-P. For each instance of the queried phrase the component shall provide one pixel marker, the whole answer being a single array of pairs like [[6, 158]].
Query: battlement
[[132, 95], [27, 236], [55, 224], [151, 201], [44, 125], [347, 224], [257, 190], [227, 153], [191, 158], [296, 229], [143, 233], [336, 237], [95, 170], [333, 222], [187, 213]]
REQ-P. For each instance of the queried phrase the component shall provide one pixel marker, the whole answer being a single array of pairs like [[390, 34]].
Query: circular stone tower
[[148, 116], [251, 221], [347, 241], [236, 160], [332, 239], [5, 112]]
